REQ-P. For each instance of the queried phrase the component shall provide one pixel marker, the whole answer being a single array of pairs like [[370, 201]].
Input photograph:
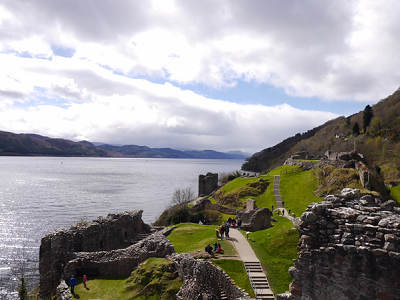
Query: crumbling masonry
[[349, 249]]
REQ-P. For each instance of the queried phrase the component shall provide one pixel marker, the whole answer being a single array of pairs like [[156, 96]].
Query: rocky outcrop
[[346, 160], [203, 280], [116, 231], [349, 249], [206, 204], [63, 292], [208, 183], [362, 169], [253, 218]]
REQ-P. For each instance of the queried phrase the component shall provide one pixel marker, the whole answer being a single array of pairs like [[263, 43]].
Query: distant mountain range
[[12, 144]]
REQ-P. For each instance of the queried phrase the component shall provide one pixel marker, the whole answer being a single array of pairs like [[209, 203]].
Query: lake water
[[41, 194]]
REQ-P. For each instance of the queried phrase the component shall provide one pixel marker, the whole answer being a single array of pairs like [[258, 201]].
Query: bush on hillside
[[332, 180], [233, 199], [225, 178]]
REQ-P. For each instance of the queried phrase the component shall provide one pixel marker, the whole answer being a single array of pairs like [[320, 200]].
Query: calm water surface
[[41, 194]]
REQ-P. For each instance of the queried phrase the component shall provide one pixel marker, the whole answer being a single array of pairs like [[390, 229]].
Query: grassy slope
[[236, 270], [395, 193], [189, 237], [154, 280], [276, 248], [297, 191]]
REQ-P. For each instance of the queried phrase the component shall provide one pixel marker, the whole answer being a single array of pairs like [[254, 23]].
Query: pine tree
[[356, 129], [368, 114]]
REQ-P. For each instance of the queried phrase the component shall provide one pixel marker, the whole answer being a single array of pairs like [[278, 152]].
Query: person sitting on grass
[[209, 249], [215, 246], [219, 250]]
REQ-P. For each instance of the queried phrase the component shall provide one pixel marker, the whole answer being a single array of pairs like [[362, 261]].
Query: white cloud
[[341, 50], [133, 111]]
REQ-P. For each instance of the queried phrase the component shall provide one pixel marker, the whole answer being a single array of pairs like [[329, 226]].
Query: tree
[[367, 116], [23, 291], [182, 196], [356, 129]]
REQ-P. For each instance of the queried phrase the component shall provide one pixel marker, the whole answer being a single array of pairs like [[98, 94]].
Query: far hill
[[12, 144], [377, 138]]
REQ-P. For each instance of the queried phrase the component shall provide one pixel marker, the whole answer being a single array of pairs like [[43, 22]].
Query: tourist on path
[[240, 223], [222, 231], [73, 282], [227, 231]]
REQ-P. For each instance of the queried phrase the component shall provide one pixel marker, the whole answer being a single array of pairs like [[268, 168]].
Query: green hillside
[[378, 140]]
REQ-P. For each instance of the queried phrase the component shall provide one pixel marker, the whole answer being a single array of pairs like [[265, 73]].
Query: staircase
[[258, 280]]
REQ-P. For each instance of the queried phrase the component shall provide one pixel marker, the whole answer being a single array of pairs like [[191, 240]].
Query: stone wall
[[351, 159], [116, 231], [203, 280], [206, 204], [123, 261], [63, 292], [208, 183], [253, 218], [349, 249], [364, 174]]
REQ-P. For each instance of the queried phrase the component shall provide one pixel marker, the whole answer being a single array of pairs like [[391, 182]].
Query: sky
[[192, 74]]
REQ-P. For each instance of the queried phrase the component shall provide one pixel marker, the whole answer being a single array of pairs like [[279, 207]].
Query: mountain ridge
[[30, 144]]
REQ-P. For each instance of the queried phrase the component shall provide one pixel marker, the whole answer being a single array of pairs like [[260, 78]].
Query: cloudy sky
[[198, 74]]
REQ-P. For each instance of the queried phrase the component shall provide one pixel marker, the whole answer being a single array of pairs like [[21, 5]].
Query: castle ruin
[[208, 183], [349, 249]]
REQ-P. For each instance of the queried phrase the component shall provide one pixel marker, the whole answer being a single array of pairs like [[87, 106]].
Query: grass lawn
[[276, 248], [281, 169], [224, 218], [151, 281], [101, 288], [395, 193], [236, 270], [237, 183], [267, 199], [189, 237], [297, 190]]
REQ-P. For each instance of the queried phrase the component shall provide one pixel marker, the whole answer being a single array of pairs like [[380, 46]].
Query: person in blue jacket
[[73, 283]]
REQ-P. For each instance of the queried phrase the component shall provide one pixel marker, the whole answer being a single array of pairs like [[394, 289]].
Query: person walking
[[222, 231], [84, 280], [72, 281], [227, 231]]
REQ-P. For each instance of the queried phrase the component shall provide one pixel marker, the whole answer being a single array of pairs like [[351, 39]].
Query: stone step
[[260, 282], [256, 274], [264, 292]]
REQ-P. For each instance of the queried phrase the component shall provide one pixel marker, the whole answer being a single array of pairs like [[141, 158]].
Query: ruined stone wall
[[208, 183], [203, 280], [253, 218], [123, 261], [57, 248], [206, 204], [364, 174], [349, 249]]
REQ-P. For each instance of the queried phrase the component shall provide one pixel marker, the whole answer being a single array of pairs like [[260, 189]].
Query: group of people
[[216, 249], [224, 229], [72, 281]]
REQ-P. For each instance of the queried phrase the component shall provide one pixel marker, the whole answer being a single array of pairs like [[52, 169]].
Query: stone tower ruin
[[208, 183]]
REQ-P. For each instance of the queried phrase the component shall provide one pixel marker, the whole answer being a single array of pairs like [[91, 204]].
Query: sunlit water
[[41, 194]]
